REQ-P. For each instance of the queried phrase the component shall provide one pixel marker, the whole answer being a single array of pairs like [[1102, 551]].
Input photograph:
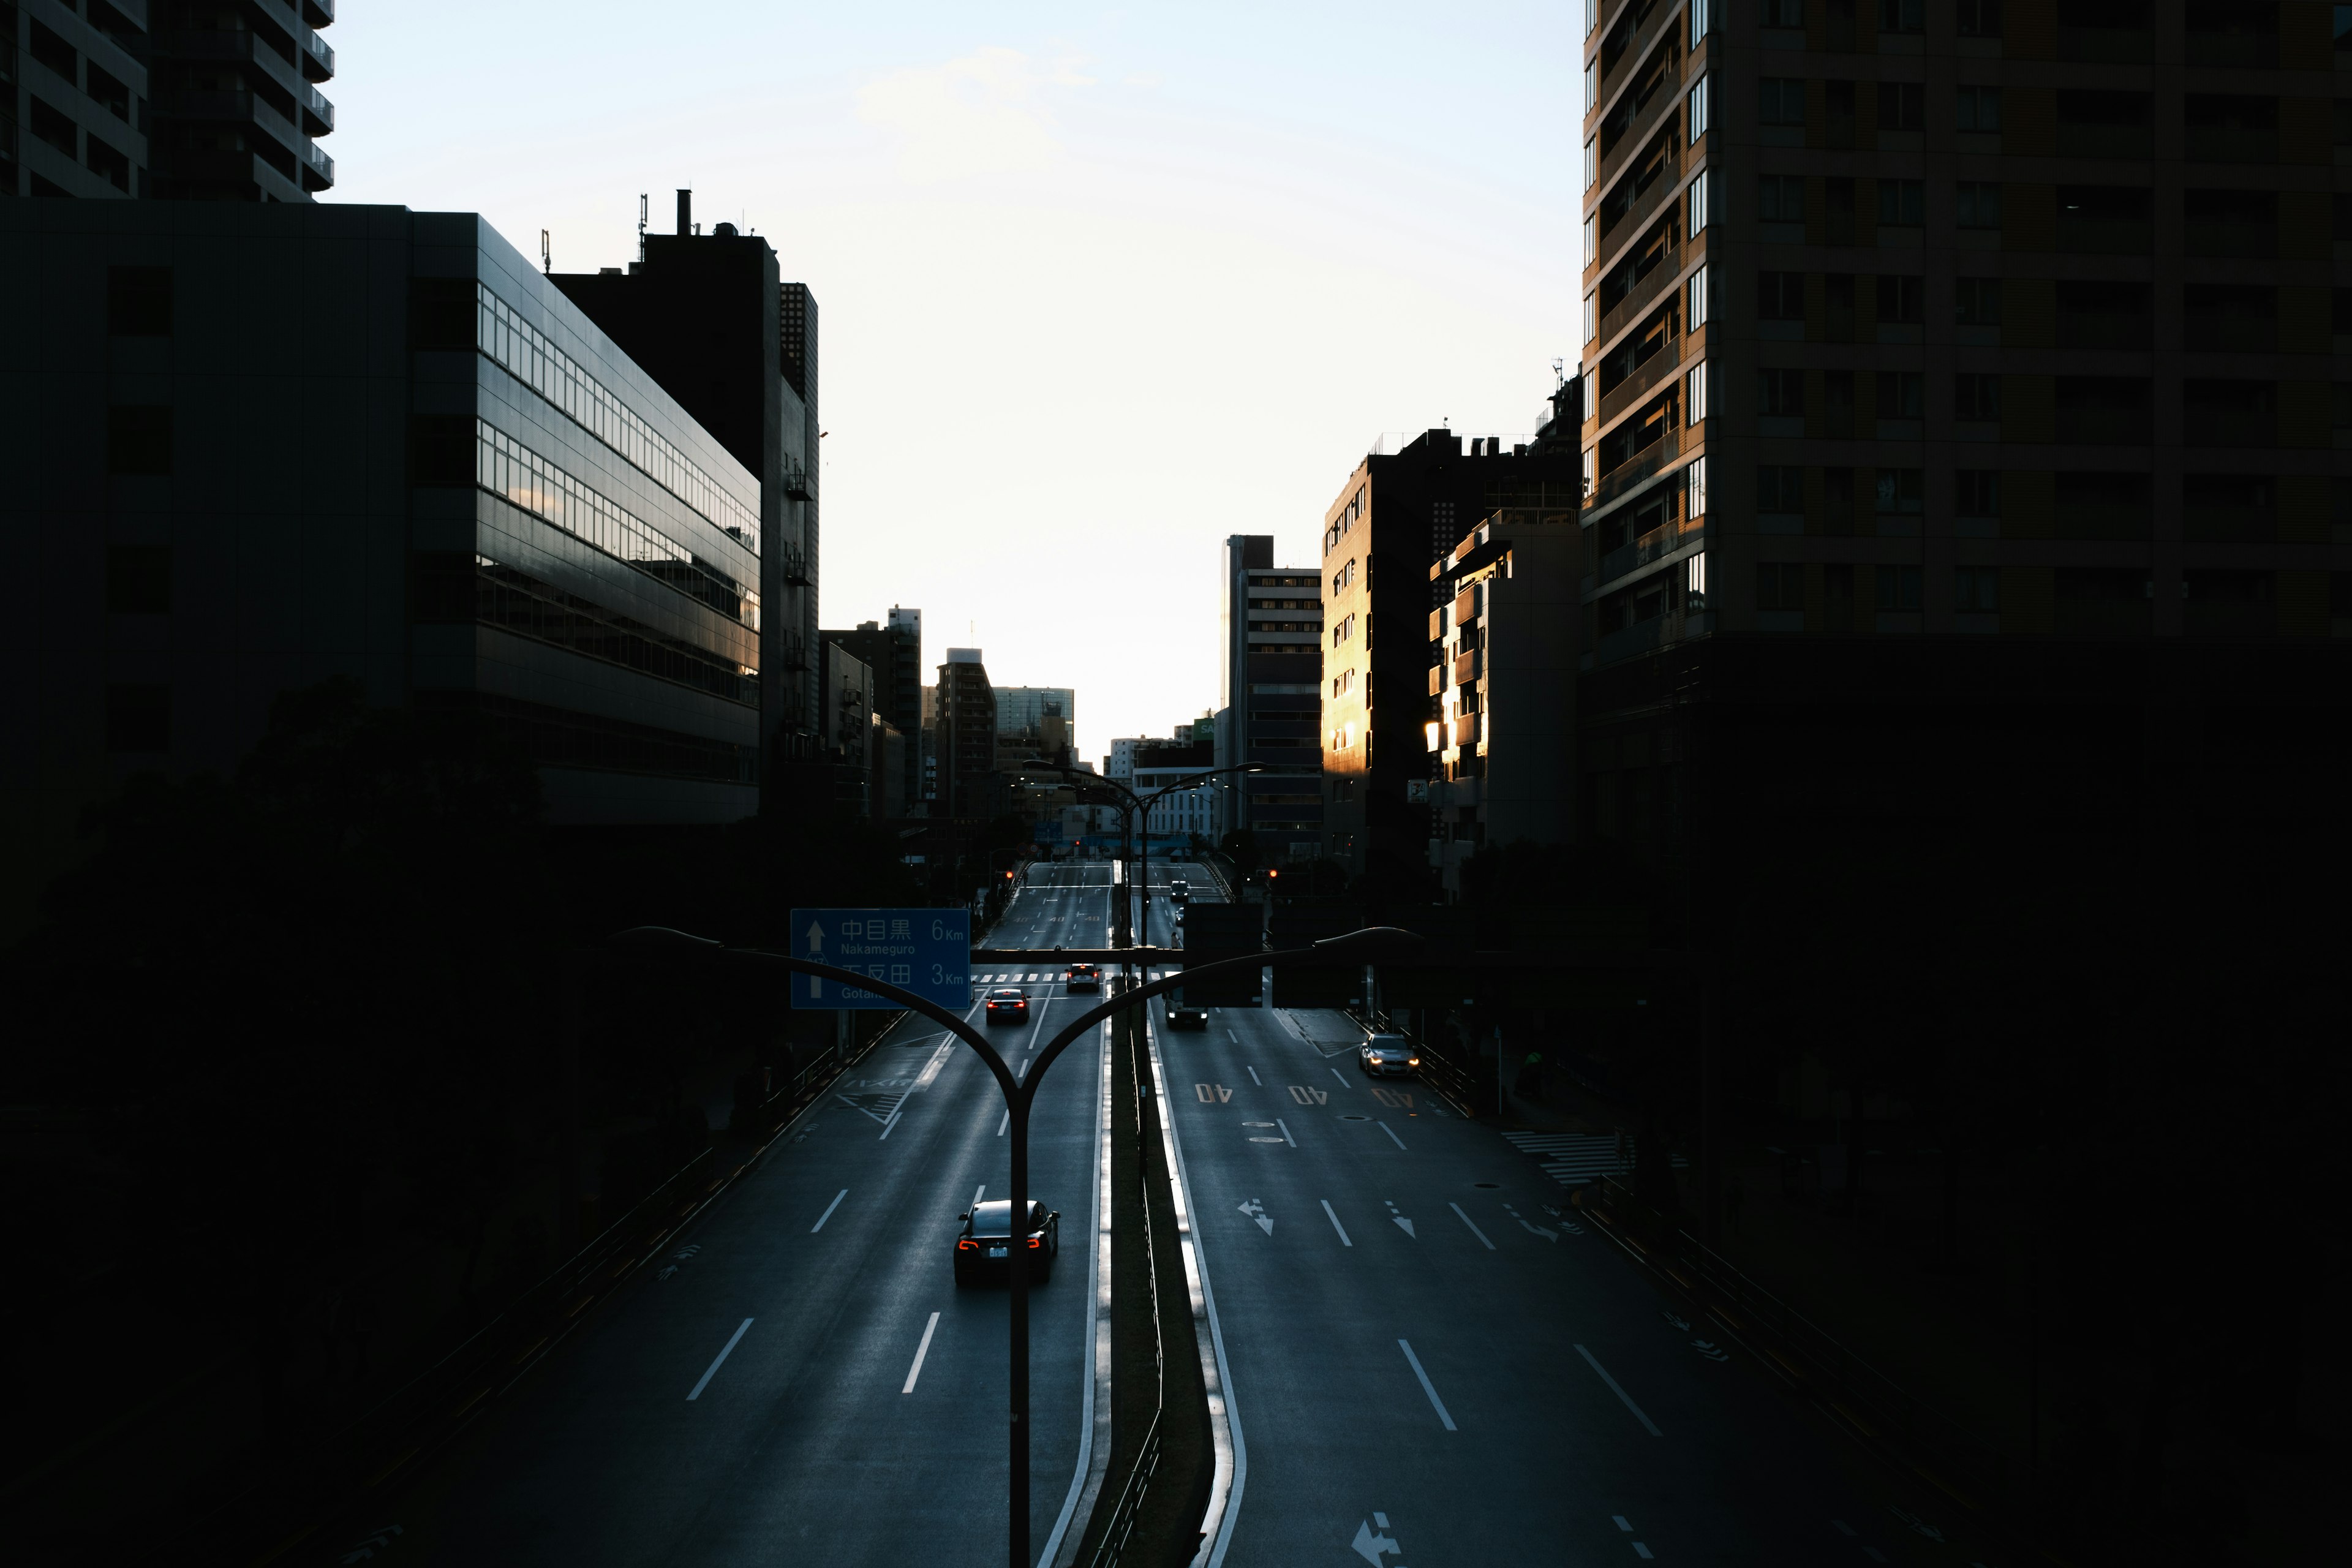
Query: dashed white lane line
[[1342, 1078], [712, 1370], [1255, 1079], [1472, 1223], [1843, 1527], [1642, 1551], [1639, 1415], [1286, 1138], [1619, 1521], [921, 1350], [1426, 1387], [1336, 1224], [889, 1124], [828, 1211], [977, 1192], [1004, 1122], [1391, 1132]]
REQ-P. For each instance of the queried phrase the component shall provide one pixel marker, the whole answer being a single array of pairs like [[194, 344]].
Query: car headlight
[[1414, 1062]]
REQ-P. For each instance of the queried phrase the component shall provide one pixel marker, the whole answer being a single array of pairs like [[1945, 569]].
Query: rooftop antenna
[[642, 211], [546, 259], [1559, 372]]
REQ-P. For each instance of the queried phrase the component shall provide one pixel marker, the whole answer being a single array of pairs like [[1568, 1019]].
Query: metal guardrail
[[1874, 1405], [1460, 1086], [1120, 1526]]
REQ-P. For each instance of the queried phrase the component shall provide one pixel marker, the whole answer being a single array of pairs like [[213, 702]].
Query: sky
[[1097, 286]]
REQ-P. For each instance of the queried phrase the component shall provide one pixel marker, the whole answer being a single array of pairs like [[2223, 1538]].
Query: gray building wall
[[315, 500]]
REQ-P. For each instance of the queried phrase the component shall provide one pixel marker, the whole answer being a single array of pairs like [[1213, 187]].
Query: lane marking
[[1342, 1078], [1843, 1527], [1336, 1224], [1472, 1225], [1639, 1415], [1641, 1552], [828, 1211], [1255, 1079], [712, 1370], [1426, 1387], [1619, 1521], [921, 1350], [887, 1125], [1286, 1138], [1006, 1122], [976, 1193], [1392, 1137]]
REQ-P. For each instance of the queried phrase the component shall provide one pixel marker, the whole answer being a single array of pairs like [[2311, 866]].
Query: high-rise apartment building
[[710, 316], [966, 722], [194, 99], [1406, 504], [1271, 712], [894, 651]]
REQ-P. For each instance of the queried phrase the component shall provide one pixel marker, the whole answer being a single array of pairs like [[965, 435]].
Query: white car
[[1387, 1056]]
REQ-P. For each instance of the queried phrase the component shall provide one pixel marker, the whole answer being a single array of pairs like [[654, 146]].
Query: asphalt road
[[1433, 1361], [808, 1384]]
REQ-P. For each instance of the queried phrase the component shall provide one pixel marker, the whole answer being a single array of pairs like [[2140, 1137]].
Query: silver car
[[1387, 1056]]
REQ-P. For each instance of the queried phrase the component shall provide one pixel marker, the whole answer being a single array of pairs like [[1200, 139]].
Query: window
[[1695, 301], [138, 718], [1901, 16], [1591, 84], [1780, 586], [1899, 587], [2086, 109], [1902, 298], [1591, 163], [1780, 296], [1977, 108], [1591, 241], [1695, 489], [1780, 198], [1783, 101], [1695, 107], [1976, 590], [109, 90], [1782, 13], [1591, 16], [1694, 394], [54, 52], [1976, 396], [1780, 488], [1902, 105], [1976, 302], [139, 301], [1780, 393], [1902, 204], [1695, 582], [1980, 19], [1901, 491], [1592, 318], [1977, 492], [139, 579], [1701, 200], [139, 439], [1978, 204], [1902, 395]]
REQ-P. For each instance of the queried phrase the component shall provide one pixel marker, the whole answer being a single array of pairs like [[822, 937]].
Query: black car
[[1180, 1016], [1006, 1002], [984, 1245]]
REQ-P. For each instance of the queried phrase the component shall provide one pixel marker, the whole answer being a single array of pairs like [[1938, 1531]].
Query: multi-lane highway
[[1428, 1357]]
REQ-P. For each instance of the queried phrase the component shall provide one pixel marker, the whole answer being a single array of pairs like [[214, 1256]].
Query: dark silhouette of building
[[709, 316], [894, 651], [194, 99], [1272, 712], [966, 720]]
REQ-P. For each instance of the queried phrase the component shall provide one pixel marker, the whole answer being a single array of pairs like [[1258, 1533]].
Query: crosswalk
[[1579, 1158]]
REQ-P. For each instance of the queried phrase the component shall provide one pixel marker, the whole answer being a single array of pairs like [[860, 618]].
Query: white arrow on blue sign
[[927, 952]]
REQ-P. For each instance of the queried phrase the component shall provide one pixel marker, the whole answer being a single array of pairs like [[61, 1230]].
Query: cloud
[[983, 114]]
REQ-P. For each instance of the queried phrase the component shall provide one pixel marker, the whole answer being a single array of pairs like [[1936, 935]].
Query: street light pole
[[1020, 1093]]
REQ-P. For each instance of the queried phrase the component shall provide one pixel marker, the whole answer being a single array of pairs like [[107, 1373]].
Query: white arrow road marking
[[1256, 1211], [1372, 1548], [1391, 1132], [1620, 1393], [1472, 1225], [712, 1370], [1400, 1220], [828, 1211], [1336, 1224], [1550, 1235], [1426, 1387], [921, 1350]]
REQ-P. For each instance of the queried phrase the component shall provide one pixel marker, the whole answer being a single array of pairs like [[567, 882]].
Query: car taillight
[[1035, 1242], [967, 1246]]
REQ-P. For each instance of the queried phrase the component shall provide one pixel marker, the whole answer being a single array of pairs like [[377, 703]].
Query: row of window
[[1900, 299], [1343, 629], [1901, 395], [1977, 492], [524, 480], [1976, 590], [525, 352], [1785, 101], [1348, 516]]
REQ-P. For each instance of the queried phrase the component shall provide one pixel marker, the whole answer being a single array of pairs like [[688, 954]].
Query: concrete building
[[1976, 363], [1028, 707], [894, 652], [1157, 765], [966, 724], [1271, 625], [437, 476], [847, 734], [710, 315], [1506, 685], [1407, 502], [201, 100]]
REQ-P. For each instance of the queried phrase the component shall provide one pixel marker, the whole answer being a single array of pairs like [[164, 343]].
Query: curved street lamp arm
[[667, 937]]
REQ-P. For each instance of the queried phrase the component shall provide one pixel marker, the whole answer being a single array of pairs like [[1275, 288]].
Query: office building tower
[[1407, 502], [847, 736], [966, 746], [1270, 703], [709, 316], [894, 651], [189, 99], [1971, 362], [437, 477]]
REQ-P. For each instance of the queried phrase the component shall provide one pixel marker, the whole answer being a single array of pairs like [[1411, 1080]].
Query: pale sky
[[1098, 286]]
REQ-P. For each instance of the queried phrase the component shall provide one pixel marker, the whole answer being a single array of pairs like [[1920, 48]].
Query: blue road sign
[[928, 952]]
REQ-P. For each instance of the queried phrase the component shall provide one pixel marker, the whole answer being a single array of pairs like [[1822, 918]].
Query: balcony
[[793, 565], [319, 13], [318, 114], [1468, 666], [1658, 542], [318, 169], [318, 59], [796, 483]]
